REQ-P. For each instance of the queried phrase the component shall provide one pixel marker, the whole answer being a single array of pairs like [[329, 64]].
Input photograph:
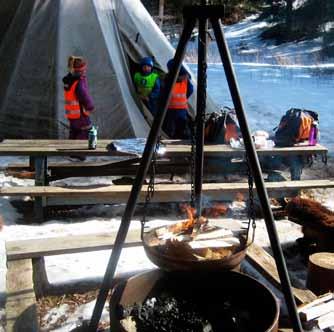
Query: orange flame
[[191, 212], [216, 210]]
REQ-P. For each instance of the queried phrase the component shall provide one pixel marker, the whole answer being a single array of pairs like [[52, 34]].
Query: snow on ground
[[246, 46], [247, 50], [75, 267]]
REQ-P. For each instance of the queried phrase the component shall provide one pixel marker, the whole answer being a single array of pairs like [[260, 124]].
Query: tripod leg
[[200, 112], [141, 173], [257, 174]]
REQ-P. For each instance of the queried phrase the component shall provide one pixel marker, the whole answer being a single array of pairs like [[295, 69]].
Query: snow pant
[[79, 128], [295, 164], [176, 124]]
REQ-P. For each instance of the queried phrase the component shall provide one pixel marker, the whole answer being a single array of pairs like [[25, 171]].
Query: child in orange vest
[[176, 121], [78, 102]]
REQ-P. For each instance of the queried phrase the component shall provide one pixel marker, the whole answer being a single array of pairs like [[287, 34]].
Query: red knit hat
[[79, 64]]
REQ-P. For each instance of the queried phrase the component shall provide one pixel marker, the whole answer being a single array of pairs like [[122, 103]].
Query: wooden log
[[326, 321], [321, 299], [320, 274], [265, 263], [21, 314], [316, 311]]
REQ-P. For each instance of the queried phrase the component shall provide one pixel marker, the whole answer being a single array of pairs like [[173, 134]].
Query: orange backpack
[[295, 127]]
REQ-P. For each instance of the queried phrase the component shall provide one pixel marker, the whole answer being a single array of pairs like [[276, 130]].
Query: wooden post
[[21, 314], [40, 278], [320, 276], [41, 168]]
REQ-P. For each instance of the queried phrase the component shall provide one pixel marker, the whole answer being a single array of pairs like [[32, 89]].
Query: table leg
[[31, 163], [40, 166], [296, 165]]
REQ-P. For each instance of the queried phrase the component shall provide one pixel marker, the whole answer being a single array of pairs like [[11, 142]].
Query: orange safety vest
[[72, 105], [179, 99]]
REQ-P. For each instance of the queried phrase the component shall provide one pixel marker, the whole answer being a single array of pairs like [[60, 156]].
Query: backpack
[[221, 126], [294, 127]]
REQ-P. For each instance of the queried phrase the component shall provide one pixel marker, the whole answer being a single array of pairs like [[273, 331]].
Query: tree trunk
[[161, 12], [289, 15]]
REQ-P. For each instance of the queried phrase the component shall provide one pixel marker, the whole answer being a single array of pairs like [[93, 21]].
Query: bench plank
[[21, 311], [67, 244], [163, 192], [263, 261], [227, 151]]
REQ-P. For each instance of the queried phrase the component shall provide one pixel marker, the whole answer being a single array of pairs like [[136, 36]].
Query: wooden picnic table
[[176, 155], [175, 148], [39, 151]]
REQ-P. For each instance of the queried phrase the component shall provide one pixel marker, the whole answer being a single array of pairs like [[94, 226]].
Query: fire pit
[[178, 247], [186, 301]]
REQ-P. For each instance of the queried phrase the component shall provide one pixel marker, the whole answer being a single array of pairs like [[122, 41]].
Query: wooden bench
[[25, 261], [117, 194], [27, 278]]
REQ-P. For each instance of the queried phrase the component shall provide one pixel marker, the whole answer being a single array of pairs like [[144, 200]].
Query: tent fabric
[[88, 28], [36, 38]]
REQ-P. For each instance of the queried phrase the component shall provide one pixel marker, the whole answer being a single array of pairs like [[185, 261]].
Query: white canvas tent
[[37, 36]]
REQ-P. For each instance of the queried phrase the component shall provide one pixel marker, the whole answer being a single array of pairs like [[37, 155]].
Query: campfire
[[193, 240]]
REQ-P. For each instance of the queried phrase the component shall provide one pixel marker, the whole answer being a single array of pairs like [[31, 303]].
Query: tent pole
[[141, 174], [257, 174]]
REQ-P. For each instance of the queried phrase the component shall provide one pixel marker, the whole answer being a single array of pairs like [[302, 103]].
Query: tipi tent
[[37, 36]]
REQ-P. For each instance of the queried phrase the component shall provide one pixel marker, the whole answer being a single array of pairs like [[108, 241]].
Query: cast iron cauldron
[[207, 290], [175, 263]]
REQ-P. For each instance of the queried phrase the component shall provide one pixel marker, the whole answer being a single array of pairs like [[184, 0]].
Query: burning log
[[215, 210]]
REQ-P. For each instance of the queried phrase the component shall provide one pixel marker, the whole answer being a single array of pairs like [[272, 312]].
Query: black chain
[[251, 209], [150, 188]]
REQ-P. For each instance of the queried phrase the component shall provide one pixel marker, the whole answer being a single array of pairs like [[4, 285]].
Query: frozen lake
[[268, 91], [273, 78]]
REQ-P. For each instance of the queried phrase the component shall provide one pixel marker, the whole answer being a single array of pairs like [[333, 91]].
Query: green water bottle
[[92, 138]]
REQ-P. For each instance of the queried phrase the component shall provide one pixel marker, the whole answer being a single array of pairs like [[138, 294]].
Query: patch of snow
[[298, 3]]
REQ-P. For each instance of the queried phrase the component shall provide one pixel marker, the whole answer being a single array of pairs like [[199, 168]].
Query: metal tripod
[[204, 14]]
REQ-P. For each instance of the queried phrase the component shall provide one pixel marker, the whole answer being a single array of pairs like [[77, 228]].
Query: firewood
[[219, 233], [321, 299], [320, 272], [215, 243], [326, 320], [317, 310]]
